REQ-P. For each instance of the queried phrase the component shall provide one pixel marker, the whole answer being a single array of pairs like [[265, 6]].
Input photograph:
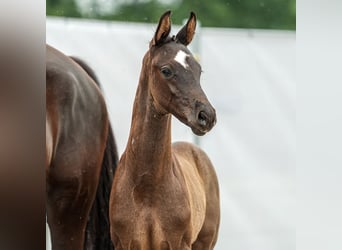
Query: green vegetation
[[66, 8], [265, 14]]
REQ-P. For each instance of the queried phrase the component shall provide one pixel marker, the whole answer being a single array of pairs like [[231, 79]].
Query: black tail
[[98, 228]]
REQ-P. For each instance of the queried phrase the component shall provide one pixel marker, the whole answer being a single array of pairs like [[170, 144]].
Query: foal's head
[[174, 77]]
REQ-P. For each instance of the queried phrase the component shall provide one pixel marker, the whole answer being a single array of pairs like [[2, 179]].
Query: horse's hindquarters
[[203, 184], [77, 127]]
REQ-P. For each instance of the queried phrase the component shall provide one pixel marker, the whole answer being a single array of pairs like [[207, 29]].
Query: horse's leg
[[68, 209], [69, 202]]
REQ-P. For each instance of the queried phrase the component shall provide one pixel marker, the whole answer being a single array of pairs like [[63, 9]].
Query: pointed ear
[[163, 29], [186, 34]]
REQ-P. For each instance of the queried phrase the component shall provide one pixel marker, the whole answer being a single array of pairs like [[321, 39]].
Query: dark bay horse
[[81, 155], [166, 196]]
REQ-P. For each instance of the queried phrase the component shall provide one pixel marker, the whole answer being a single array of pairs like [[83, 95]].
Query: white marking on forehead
[[180, 58]]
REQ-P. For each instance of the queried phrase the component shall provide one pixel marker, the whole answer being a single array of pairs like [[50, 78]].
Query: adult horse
[[81, 155], [166, 196]]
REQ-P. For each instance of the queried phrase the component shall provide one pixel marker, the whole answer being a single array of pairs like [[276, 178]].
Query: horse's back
[[68, 85], [202, 182], [200, 161]]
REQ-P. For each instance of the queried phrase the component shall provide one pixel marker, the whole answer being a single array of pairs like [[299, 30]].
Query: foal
[[166, 196]]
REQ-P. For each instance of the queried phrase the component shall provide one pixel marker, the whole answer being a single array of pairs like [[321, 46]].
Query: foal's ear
[[163, 29], [186, 34]]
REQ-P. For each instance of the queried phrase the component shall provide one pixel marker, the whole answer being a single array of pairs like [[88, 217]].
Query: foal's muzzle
[[205, 119]]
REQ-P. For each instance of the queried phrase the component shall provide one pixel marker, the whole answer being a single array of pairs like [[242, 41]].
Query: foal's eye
[[166, 71]]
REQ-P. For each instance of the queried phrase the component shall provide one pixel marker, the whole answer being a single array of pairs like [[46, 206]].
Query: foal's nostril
[[202, 118]]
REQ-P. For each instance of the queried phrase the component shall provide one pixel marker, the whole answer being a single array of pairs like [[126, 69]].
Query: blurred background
[[247, 52], [265, 14]]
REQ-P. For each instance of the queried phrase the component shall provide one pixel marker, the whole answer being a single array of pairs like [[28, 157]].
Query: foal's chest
[[153, 218]]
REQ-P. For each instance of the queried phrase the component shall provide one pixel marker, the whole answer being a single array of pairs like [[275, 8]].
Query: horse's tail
[[98, 228]]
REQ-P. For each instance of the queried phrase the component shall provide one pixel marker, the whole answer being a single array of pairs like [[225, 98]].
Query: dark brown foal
[[166, 196]]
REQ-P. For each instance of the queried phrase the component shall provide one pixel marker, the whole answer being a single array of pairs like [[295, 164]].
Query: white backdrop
[[249, 77]]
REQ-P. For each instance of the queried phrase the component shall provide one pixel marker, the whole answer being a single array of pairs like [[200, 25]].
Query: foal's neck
[[148, 151]]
